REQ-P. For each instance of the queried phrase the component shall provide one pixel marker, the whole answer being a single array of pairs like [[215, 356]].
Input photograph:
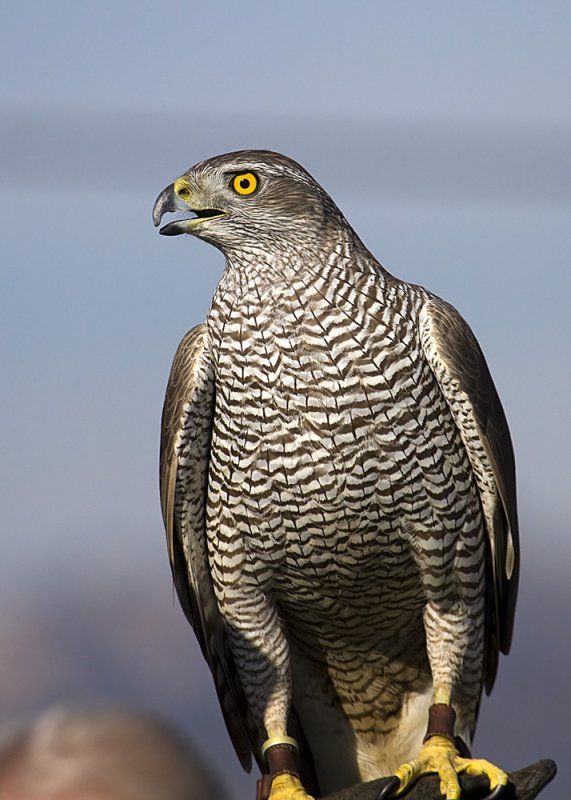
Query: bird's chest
[[311, 356], [302, 382], [318, 414]]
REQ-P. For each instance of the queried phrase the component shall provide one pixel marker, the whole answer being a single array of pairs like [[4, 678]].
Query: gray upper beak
[[164, 203]]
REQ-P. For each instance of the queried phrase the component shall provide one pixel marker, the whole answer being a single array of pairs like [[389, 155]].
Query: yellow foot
[[288, 787], [438, 755]]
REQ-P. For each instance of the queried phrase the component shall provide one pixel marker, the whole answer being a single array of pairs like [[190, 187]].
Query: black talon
[[389, 788], [498, 791]]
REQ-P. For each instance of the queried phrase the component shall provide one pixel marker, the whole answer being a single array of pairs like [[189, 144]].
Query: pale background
[[442, 130]]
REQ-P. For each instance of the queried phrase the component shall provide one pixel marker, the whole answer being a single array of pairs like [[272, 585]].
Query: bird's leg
[[262, 659], [454, 637], [442, 753], [285, 784]]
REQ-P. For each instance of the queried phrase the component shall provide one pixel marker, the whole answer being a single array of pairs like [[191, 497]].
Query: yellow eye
[[245, 183]]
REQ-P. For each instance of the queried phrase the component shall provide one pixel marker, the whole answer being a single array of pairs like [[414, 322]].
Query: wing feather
[[463, 375], [184, 458]]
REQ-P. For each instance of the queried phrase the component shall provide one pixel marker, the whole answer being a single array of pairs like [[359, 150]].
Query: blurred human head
[[79, 754]]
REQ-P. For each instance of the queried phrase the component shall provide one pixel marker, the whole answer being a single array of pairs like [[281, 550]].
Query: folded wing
[[184, 458], [464, 378]]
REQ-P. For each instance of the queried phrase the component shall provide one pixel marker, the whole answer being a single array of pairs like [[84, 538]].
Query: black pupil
[[245, 183]]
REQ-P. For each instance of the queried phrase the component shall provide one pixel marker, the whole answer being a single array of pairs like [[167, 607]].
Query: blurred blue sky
[[441, 129]]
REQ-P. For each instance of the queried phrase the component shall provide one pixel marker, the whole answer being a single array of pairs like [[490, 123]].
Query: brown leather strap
[[441, 721], [263, 787], [281, 758]]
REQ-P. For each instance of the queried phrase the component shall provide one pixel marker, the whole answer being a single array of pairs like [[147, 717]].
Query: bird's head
[[244, 198]]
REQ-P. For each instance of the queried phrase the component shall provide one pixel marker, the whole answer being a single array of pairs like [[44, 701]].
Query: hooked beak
[[169, 201]]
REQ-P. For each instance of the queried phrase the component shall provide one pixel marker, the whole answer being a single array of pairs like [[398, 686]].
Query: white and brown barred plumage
[[337, 482]]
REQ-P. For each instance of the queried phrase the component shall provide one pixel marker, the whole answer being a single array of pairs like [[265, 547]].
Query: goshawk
[[338, 491]]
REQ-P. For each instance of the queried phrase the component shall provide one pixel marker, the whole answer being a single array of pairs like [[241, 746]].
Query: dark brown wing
[[184, 457], [465, 380]]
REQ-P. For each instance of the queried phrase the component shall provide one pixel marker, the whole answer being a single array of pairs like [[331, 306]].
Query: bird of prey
[[338, 491]]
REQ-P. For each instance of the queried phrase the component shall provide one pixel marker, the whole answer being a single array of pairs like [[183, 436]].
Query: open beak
[[169, 201]]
